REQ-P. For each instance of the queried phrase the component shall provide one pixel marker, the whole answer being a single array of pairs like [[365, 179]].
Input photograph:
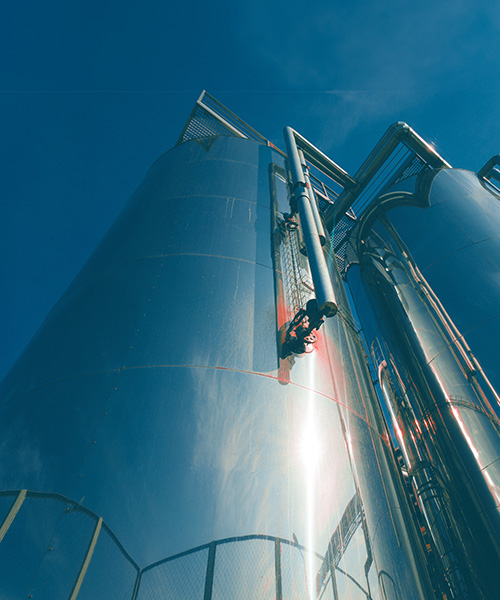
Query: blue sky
[[91, 93]]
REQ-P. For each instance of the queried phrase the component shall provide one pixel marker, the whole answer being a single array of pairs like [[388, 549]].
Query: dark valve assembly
[[300, 335]]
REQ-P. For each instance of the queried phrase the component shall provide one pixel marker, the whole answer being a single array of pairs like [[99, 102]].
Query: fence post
[[209, 580], [14, 509], [86, 562], [277, 567]]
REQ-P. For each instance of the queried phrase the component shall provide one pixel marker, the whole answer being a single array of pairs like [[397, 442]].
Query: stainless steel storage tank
[[155, 445], [425, 275]]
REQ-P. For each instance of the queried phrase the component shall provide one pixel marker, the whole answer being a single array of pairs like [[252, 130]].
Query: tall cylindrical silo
[[426, 283], [156, 445]]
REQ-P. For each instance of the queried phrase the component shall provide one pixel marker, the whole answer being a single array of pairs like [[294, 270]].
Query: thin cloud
[[365, 46]]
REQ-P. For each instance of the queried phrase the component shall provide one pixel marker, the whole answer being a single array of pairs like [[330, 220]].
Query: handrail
[[485, 171], [398, 132]]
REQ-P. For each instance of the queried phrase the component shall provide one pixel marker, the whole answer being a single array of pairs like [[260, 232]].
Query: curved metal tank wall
[[427, 290], [151, 415]]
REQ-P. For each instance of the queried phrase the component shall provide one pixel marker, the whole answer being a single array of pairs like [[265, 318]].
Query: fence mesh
[[56, 548], [182, 578], [245, 570]]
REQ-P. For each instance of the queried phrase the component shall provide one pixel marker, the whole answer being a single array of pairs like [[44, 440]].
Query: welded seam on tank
[[495, 237], [215, 159], [451, 402], [166, 198], [462, 337], [204, 160], [379, 524], [489, 464], [207, 367], [71, 289]]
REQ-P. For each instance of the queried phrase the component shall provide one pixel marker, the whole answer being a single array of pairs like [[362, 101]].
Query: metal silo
[[424, 264], [197, 418]]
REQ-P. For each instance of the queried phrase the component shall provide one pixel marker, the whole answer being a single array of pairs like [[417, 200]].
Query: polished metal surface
[[427, 291], [152, 422], [323, 289]]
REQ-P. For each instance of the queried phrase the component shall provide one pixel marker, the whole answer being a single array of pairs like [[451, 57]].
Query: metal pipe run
[[312, 199], [396, 133], [323, 289], [486, 170], [322, 162]]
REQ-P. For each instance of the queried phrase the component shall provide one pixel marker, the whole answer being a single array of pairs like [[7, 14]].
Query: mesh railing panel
[[401, 164], [181, 578], [202, 124], [56, 548], [350, 575], [340, 237], [26, 544], [110, 573], [293, 573], [298, 286], [209, 117], [245, 571], [63, 559]]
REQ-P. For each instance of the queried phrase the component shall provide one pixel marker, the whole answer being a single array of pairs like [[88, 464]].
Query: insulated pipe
[[312, 199], [323, 289]]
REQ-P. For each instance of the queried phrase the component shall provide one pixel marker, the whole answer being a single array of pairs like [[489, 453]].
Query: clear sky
[[92, 92]]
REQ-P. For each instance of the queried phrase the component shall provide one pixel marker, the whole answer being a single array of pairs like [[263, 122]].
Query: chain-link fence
[[53, 547]]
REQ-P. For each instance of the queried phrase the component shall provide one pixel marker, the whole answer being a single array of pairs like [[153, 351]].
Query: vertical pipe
[[209, 579], [312, 199], [323, 289]]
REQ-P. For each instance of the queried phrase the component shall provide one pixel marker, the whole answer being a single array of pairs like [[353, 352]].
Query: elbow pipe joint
[[486, 169]]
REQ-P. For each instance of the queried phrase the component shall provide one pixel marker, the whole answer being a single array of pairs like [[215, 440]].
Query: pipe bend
[[399, 125], [488, 166]]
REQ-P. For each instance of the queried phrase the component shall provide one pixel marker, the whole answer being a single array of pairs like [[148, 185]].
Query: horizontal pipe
[[485, 170], [323, 163], [396, 133]]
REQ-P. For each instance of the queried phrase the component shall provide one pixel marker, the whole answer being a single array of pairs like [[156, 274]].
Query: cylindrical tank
[[428, 255], [155, 445]]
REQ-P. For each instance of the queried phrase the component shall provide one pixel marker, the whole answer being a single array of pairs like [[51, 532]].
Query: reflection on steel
[[486, 170], [312, 200], [139, 585], [490, 171], [440, 400], [325, 296], [341, 538], [141, 443]]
